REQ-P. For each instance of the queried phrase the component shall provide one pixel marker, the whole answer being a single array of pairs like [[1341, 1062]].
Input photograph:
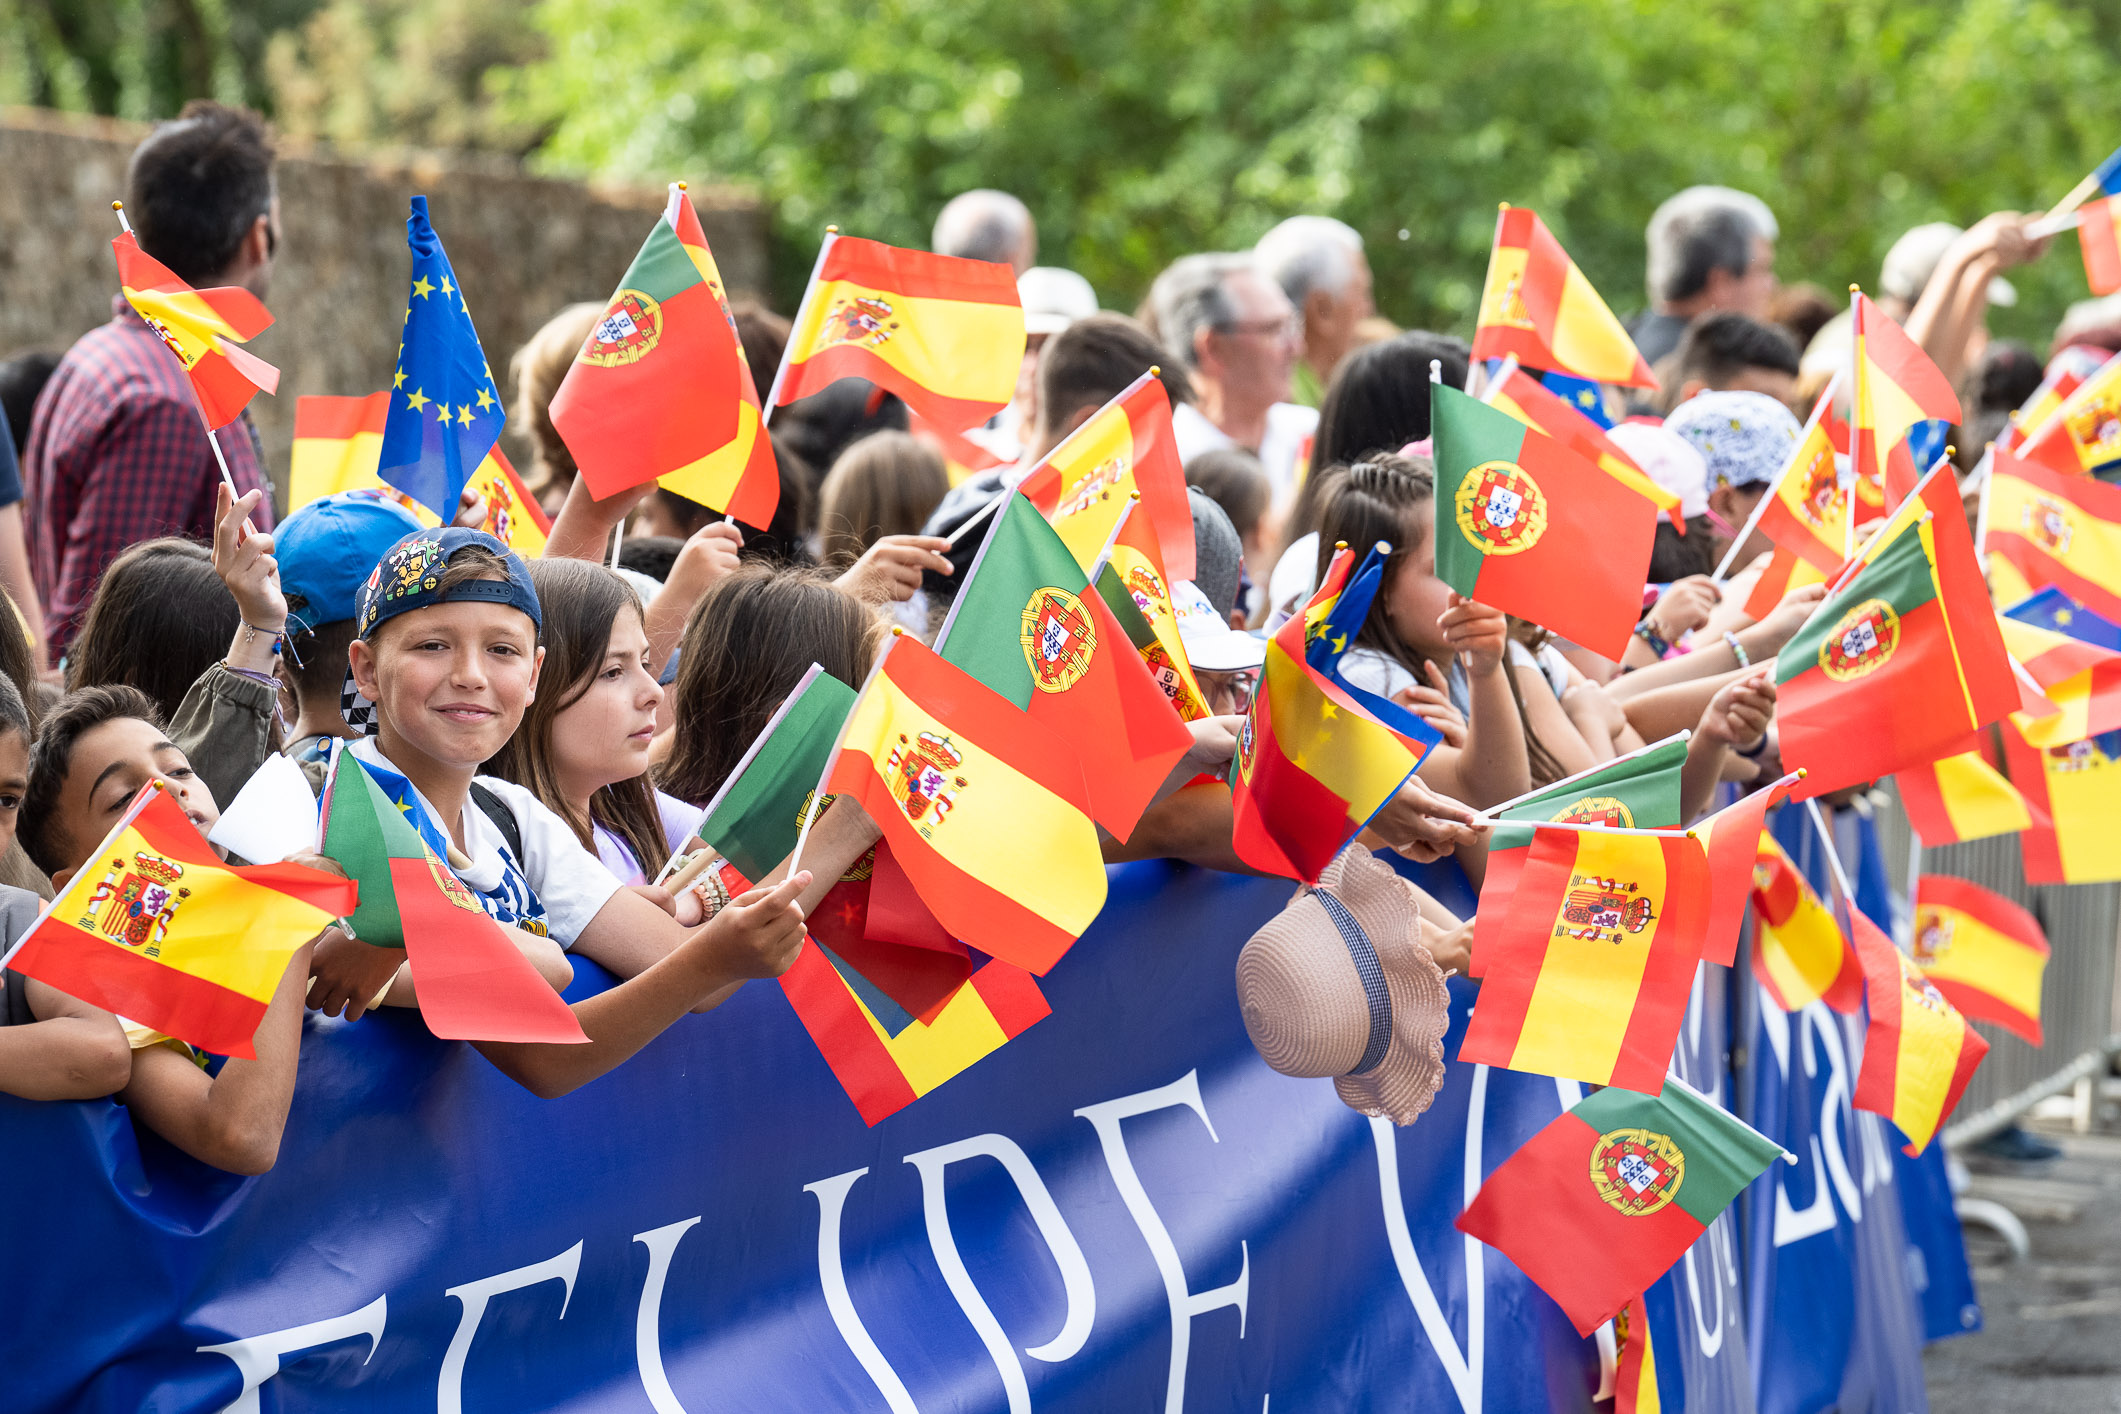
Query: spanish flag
[[1732, 837], [985, 808], [1918, 1051], [1125, 447], [156, 928], [1800, 953], [2100, 240], [945, 334], [2081, 680], [1313, 764], [1590, 975], [2084, 433], [1528, 525], [1538, 308], [2066, 372], [339, 443], [1808, 513], [1985, 953], [1896, 387], [1635, 1381], [2074, 795], [202, 328], [883, 1073], [1133, 577], [1958, 798], [1786, 570], [1523, 397], [2054, 528]]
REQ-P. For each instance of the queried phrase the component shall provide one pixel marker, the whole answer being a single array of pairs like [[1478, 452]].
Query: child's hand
[[1480, 633], [1452, 948], [243, 558], [1432, 703], [347, 974], [891, 570], [1739, 713], [760, 933], [709, 557]]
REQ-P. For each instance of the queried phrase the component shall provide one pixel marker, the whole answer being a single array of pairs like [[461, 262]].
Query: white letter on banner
[[449, 1389], [662, 1244], [1793, 1224], [1464, 1368], [1833, 1107], [831, 1199], [1067, 1254], [258, 1357], [1105, 1117]]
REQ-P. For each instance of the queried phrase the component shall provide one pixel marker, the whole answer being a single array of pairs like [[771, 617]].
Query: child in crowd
[[583, 748], [885, 484], [158, 619], [93, 755]]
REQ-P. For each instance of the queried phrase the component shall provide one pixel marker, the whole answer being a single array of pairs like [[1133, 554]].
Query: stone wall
[[523, 246]]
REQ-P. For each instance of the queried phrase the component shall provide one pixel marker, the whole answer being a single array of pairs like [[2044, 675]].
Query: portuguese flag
[[660, 388], [755, 817], [984, 807], [1027, 624], [1526, 524], [1918, 1051], [1601, 1203], [473, 983], [1590, 973], [156, 928], [1984, 952], [1638, 791]]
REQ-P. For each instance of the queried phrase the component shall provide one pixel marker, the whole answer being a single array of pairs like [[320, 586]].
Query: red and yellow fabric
[[2099, 238], [962, 457], [1809, 513], [2080, 681], [1785, 570], [1137, 565], [1918, 1051], [1126, 447], [985, 809], [1800, 954], [1984, 952], [2082, 434], [339, 444], [1958, 798], [883, 1073], [202, 328], [1590, 975], [1732, 838], [1525, 398], [1897, 386], [945, 334], [2031, 416], [1538, 308], [1635, 1378], [2073, 793], [155, 927], [2055, 528]]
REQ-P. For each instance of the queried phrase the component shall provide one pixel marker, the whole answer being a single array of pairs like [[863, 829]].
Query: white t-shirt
[[1384, 675], [555, 888], [1288, 424]]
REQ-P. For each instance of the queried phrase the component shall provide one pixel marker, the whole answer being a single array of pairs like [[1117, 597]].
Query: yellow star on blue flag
[[430, 458]]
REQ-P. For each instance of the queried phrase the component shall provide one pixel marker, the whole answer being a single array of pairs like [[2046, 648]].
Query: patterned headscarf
[[1746, 438]]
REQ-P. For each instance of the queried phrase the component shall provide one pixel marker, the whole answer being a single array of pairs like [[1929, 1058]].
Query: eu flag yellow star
[[398, 379], [447, 288], [422, 288], [464, 415], [485, 400], [417, 401]]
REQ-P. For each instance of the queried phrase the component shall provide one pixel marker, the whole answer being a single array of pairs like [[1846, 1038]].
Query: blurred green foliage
[[1143, 130]]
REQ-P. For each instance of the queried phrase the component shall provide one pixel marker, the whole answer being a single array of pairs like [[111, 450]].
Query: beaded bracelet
[[1745, 660]]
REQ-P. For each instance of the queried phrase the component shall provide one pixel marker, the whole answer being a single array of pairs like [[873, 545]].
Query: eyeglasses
[[1228, 694]]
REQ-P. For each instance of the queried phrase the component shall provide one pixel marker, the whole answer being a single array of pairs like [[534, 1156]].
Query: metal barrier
[[2078, 1002]]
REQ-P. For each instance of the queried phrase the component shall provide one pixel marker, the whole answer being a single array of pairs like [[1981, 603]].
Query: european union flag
[[1579, 393], [1336, 632], [445, 411], [2056, 612]]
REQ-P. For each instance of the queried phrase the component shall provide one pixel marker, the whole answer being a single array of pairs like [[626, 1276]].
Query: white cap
[[1669, 460], [1915, 257], [1211, 644], [1053, 298]]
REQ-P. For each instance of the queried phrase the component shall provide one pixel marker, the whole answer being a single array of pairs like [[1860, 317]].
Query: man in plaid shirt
[[117, 450]]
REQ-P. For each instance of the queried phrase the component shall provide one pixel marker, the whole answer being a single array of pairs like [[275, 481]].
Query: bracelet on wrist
[[1745, 659], [251, 633], [1649, 635]]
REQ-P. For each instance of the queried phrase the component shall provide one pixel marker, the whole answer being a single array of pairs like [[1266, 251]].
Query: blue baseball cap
[[409, 577], [328, 547]]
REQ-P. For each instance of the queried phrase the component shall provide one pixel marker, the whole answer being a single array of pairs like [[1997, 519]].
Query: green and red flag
[[1525, 398], [1918, 1051], [1526, 524], [660, 389], [1602, 1202], [1027, 624], [202, 328], [474, 984], [755, 817], [1638, 791], [2099, 239], [1984, 952]]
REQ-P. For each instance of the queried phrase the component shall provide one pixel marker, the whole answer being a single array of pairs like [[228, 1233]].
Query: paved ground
[[2052, 1340]]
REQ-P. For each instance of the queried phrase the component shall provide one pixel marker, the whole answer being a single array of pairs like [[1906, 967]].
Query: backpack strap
[[14, 1011], [496, 809]]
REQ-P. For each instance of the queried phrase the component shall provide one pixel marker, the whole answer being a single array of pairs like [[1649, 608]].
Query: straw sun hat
[[1339, 984]]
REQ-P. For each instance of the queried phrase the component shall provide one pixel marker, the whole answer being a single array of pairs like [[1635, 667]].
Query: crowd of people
[[554, 728]]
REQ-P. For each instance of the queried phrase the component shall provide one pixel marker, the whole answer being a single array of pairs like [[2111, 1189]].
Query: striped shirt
[[117, 454]]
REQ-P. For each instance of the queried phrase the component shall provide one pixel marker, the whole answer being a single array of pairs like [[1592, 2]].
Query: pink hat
[[1339, 984]]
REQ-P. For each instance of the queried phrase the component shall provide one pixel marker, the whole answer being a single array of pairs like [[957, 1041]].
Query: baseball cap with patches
[[409, 577]]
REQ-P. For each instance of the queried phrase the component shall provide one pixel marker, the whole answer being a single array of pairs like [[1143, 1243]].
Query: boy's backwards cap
[[328, 547], [409, 577]]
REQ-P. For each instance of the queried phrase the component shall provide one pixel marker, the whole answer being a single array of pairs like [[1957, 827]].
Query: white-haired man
[[1710, 249], [985, 224], [1320, 265]]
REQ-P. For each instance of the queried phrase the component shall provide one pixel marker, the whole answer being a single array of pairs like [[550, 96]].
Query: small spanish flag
[[2066, 372], [1313, 763], [2100, 240], [945, 334], [1590, 975], [984, 808], [1786, 570], [339, 442], [1523, 397], [2081, 680], [156, 928], [1133, 577], [1732, 837], [2084, 433], [1985, 953], [1538, 307], [2056, 528], [2074, 795], [202, 328], [1527, 524], [1897, 386], [1124, 447], [1918, 1051], [1958, 798], [1635, 1381], [1809, 513], [1800, 953]]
